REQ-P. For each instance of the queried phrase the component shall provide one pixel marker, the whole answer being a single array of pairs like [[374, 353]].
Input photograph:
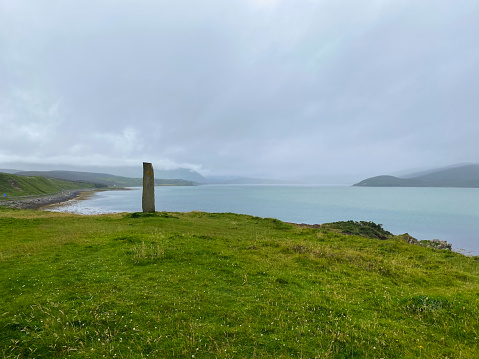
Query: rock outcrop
[[435, 243]]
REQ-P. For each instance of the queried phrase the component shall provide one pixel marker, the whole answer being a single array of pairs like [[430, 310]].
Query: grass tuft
[[211, 285]]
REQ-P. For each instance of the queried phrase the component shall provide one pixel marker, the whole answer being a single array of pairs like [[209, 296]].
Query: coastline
[[41, 201], [458, 226]]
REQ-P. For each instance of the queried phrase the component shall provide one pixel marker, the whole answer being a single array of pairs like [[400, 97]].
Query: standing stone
[[148, 198]]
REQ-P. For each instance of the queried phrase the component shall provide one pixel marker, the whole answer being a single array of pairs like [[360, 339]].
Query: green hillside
[[202, 285], [389, 181], [103, 179], [15, 186], [466, 176]]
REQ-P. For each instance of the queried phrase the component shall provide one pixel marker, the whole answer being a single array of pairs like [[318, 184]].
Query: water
[[450, 214]]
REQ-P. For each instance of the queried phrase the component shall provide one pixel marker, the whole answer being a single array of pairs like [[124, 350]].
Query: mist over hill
[[108, 171], [463, 175], [131, 175], [8, 170]]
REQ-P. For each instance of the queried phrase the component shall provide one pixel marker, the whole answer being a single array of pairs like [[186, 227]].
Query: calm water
[[450, 214]]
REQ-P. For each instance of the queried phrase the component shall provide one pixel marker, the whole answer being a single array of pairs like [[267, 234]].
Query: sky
[[258, 88]]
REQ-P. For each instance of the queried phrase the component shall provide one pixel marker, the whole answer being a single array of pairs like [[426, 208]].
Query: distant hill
[[137, 172], [172, 182], [180, 173], [389, 181], [99, 179], [103, 179], [14, 186], [455, 176], [6, 170], [121, 171]]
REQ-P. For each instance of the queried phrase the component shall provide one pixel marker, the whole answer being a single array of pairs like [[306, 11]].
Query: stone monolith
[[148, 198]]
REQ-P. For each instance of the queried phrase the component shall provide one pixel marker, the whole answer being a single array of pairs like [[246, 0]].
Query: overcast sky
[[259, 88]]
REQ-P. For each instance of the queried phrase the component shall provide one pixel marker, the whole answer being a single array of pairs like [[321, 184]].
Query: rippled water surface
[[450, 214]]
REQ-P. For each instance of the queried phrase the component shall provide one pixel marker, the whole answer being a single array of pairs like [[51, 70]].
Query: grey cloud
[[241, 87]]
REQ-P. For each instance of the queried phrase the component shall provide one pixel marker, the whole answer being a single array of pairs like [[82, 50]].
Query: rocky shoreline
[[435, 243], [40, 201]]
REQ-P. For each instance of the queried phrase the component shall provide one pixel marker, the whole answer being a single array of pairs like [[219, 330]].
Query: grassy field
[[199, 285], [15, 186]]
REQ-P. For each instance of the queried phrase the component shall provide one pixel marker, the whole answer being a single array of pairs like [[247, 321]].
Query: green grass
[[15, 186], [102, 180], [199, 285]]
